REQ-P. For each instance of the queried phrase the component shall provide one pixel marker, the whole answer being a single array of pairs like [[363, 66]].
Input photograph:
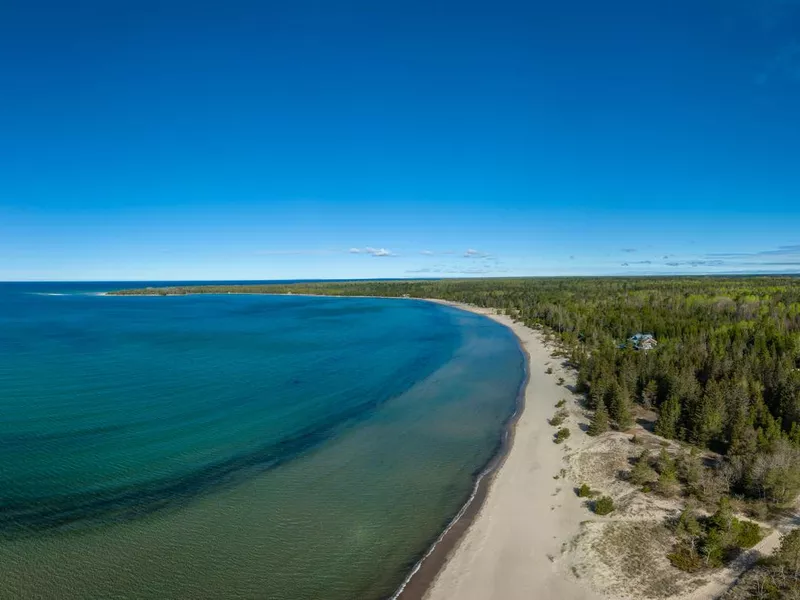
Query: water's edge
[[424, 572]]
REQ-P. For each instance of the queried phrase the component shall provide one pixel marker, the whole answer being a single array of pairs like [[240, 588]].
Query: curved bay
[[241, 446]]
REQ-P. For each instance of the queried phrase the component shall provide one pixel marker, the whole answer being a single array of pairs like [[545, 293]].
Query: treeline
[[725, 374]]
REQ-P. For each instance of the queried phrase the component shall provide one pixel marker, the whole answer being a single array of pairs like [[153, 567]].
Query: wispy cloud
[[637, 262], [696, 263], [472, 253], [628, 250], [427, 252], [372, 251], [792, 250], [488, 268], [379, 251]]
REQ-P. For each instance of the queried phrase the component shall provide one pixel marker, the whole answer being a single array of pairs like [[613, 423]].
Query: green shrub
[[642, 473], [549, 370], [558, 418], [560, 381], [603, 506], [748, 534], [584, 491], [561, 435], [561, 403], [685, 560]]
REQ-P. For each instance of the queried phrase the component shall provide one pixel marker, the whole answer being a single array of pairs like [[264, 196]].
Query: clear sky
[[333, 139]]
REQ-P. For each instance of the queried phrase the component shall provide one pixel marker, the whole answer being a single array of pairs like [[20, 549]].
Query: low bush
[[584, 491], [685, 560], [561, 403], [603, 506], [561, 435], [558, 418]]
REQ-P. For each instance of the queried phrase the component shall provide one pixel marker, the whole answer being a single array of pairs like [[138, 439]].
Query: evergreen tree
[[621, 407], [668, 416], [667, 484], [599, 422], [690, 469], [713, 549], [789, 552], [642, 473], [723, 520], [689, 531]]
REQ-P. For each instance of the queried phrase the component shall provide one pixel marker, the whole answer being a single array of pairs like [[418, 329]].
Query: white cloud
[[427, 252], [355, 250], [378, 251], [472, 253]]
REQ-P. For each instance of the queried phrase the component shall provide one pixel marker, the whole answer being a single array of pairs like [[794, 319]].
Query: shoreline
[[421, 577], [504, 541], [489, 553]]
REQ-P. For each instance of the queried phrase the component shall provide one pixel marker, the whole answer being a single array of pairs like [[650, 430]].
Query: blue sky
[[260, 140]]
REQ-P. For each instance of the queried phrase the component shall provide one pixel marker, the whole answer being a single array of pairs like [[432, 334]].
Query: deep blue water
[[123, 416]]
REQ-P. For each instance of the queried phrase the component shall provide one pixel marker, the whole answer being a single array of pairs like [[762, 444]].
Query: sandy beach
[[513, 547], [528, 535]]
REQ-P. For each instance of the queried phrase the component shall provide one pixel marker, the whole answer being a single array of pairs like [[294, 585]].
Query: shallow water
[[237, 446]]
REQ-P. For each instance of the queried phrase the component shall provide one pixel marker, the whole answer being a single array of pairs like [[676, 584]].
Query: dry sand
[[513, 549], [533, 538]]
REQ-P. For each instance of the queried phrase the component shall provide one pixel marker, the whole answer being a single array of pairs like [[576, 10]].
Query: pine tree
[[599, 422], [690, 469], [667, 484], [789, 552], [642, 473], [689, 531], [723, 520], [621, 407], [711, 418], [668, 416]]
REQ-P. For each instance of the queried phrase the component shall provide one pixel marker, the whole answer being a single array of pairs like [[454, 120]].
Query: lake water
[[237, 446]]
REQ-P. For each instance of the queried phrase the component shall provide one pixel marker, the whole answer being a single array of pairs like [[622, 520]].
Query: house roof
[[641, 337]]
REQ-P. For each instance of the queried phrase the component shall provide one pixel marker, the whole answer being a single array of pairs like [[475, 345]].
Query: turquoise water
[[237, 446]]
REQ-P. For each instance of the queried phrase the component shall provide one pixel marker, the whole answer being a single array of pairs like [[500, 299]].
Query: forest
[[724, 376]]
